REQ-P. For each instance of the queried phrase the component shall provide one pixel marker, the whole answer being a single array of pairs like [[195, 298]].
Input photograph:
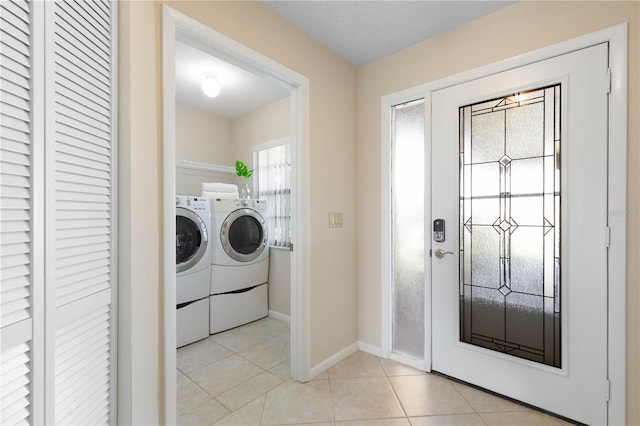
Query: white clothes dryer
[[193, 268], [240, 263], [240, 255]]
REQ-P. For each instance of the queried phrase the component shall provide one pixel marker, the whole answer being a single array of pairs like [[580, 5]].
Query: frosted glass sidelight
[[408, 229], [510, 225]]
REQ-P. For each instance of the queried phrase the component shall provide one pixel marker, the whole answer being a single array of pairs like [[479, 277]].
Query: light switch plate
[[335, 220]]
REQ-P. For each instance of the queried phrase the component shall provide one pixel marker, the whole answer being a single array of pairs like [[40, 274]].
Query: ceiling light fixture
[[210, 86]]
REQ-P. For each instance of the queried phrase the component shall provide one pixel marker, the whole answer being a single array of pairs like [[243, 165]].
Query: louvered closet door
[[16, 224], [80, 210]]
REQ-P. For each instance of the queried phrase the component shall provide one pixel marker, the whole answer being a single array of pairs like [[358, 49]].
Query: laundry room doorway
[[261, 102]]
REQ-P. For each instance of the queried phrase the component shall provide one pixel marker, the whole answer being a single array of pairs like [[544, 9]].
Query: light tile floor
[[241, 377]]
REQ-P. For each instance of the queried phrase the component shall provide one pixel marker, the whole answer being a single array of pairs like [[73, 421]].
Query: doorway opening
[[290, 91]]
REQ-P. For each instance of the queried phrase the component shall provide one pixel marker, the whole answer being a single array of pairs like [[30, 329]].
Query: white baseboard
[[333, 360], [279, 316], [377, 351], [364, 347], [370, 349], [419, 365]]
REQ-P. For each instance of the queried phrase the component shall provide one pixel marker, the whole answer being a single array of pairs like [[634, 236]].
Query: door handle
[[441, 253]]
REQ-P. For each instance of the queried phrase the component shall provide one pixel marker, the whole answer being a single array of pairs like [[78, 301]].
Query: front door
[[519, 179]]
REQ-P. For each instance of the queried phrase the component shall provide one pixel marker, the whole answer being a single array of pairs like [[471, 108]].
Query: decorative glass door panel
[[510, 225]]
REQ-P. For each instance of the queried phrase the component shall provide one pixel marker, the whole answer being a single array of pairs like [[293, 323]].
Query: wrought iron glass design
[[510, 225]]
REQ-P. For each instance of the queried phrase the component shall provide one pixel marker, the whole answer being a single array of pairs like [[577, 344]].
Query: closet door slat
[[81, 205], [16, 379], [82, 359], [16, 245]]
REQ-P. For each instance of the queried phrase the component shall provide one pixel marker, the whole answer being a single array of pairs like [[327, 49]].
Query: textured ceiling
[[363, 31]]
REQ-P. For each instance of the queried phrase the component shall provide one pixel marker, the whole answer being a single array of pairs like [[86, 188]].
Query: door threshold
[[506, 398]]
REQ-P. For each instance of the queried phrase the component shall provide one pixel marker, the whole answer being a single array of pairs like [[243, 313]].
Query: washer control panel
[[230, 204], [198, 204], [260, 205]]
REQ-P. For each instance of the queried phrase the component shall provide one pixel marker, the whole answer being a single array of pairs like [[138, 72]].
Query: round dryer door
[[244, 235], [191, 239]]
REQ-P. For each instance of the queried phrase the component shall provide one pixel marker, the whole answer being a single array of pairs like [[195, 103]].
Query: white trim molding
[[617, 38], [333, 360], [617, 216], [279, 316], [176, 25], [270, 144], [370, 349]]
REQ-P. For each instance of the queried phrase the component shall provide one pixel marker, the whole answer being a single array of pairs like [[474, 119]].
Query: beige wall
[[280, 281], [332, 185], [202, 136], [264, 124], [484, 41]]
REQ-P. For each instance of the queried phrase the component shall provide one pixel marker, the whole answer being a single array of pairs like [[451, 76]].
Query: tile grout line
[[463, 398], [386, 376], [214, 361], [333, 409], [239, 327], [476, 412], [211, 398], [250, 378], [207, 365], [264, 403], [203, 390]]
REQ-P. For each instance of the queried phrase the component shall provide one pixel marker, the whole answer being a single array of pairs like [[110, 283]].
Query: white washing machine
[[193, 268], [240, 263]]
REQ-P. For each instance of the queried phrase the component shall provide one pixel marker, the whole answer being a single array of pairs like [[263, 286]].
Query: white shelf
[[194, 165]]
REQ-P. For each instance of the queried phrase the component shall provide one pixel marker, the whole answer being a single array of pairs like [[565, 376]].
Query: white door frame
[[616, 36], [174, 22]]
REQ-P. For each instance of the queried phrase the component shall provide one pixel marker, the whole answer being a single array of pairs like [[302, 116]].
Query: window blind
[[274, 186]]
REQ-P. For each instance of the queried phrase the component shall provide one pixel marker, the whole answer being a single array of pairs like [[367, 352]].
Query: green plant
[[242, 170]]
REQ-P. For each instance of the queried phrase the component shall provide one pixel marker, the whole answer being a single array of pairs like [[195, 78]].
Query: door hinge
[[608, 81], [607, 237], [290, 246], [607, 390]]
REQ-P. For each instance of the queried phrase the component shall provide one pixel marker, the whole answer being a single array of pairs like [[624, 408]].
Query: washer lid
[[191, 239], [243, 235]]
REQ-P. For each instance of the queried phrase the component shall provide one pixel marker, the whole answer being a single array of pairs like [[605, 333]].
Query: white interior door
[[57, 212], [519, 163]]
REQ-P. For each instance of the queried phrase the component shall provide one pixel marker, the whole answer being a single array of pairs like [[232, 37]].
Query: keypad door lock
[[438, 231]]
